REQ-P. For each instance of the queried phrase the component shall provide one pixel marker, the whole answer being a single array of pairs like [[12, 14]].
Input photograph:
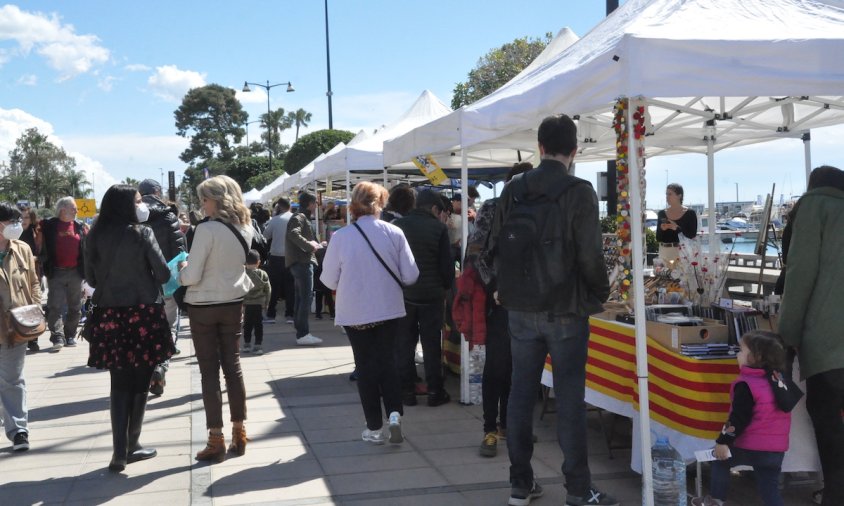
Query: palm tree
[[275, 122], [131, 182], [300, 118], [77, 184]]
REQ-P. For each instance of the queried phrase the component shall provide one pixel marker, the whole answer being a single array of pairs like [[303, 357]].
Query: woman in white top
[[352, 267], [216, 278]]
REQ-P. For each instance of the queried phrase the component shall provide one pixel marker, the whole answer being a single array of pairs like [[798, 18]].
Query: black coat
[[428, 240], [125, 266], [165, 225]]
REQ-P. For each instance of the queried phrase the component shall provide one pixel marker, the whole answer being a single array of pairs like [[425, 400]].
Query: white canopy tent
[[253, 195], [273, 189], [711, 73]]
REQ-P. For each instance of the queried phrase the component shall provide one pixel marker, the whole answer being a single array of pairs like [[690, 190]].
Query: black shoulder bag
[[392, 274]]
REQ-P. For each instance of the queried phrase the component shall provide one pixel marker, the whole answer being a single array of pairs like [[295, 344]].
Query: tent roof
[[761, 70]]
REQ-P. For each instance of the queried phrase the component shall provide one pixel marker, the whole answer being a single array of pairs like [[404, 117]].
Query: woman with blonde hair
[[216, 280], [373, 257]]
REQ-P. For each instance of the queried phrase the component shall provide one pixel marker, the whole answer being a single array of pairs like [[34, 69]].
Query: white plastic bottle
[[669, 474]]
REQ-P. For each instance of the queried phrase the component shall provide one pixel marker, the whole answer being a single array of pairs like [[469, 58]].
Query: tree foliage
[[311, 146], [213, 119], [263, 179], [41, 172], [496, 68], [299, 118], [275, 123], [244, 169]]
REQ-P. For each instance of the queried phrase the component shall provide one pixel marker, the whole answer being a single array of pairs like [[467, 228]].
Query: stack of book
[[705, 351]]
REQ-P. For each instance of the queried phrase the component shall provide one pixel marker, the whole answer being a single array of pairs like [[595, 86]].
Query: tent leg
[[807, 154], [710, 182]]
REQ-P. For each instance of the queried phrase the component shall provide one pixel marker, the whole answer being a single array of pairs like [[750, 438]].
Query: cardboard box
[[672, 336]]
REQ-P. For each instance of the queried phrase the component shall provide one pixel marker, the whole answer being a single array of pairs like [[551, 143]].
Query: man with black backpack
[[549, 265]]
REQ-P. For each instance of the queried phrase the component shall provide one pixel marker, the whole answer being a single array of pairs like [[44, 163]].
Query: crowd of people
[[523, 296]]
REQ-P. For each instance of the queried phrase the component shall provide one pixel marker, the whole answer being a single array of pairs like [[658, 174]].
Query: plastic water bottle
[[669, 474]]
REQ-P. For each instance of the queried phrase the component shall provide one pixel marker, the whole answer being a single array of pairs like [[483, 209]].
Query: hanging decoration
[[624, 221]]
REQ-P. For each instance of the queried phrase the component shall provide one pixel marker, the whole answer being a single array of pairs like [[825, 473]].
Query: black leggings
[[134, 380]]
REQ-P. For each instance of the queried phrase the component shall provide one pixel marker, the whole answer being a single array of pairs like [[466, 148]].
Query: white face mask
[[142, 211], [13, 231]]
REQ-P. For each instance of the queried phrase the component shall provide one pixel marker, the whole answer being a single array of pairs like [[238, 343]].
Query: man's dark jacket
[[165, 225], [48, 251], [125, 266], [584, 255], [428, 240]]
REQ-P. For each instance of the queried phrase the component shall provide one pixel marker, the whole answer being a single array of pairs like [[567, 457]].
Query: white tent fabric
[[253, 195], [761, 69], [303, 177], [273, 189], [367, 154]]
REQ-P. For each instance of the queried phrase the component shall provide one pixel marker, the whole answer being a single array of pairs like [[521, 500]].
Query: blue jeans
[[13, 389], [532, 338], [303, 285], [766, 470]]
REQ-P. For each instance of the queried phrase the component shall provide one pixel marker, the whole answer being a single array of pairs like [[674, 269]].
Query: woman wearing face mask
[[19, 286], [124, 265]]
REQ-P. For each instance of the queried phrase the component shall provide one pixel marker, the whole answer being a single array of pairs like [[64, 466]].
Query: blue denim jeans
[[303, 284], [532, 338], [766, 470], [13, 389]]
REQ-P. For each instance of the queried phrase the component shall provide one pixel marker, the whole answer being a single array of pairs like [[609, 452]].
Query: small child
[[255, 303], [756, 432]]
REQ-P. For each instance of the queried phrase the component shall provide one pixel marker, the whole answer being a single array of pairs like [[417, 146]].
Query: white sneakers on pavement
[[394, 426], [308, 340], [374, 436]]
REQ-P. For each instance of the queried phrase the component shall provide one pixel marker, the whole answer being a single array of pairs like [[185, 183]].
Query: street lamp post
[[246, 127], [268, 87]]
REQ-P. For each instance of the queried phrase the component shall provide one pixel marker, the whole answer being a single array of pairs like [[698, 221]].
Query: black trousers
[[281, 283], [133, 381], [498, 369], [378, 379], [252, 320], [423, 322], [824, 402]]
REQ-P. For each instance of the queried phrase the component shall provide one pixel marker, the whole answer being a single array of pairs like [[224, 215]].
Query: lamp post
[[737, 192], [246, 127], [268, 87]]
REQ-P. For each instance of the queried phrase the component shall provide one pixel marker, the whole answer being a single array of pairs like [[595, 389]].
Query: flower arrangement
[[624, 221], [702, 272]]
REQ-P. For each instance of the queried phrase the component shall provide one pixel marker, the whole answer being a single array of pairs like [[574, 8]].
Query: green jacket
[[296, 246], [812, 313], [259, 295]]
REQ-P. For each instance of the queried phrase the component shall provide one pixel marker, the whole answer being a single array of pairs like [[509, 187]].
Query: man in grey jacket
[[300, 245], [280, 279], [561, 328]]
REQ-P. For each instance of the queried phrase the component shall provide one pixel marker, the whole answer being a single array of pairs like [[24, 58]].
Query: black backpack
[[530, 259]]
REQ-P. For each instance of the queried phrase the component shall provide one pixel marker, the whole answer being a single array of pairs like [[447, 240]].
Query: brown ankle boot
[[214, 450], [239, 440]]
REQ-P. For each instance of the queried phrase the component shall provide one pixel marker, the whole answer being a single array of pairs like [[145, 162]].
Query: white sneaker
[[395, 428], [419, 358], [258, 350], [246, 348], [308, 340], [374, 436]]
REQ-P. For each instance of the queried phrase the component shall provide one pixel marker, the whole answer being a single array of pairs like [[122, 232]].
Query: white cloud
[[171, 83], [68, 53], [28, 80], [95, 172], [106, 83], [137, 67], [256, 96], [13, 123]]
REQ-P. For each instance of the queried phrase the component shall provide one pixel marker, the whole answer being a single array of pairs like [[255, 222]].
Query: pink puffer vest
[[768, 430]]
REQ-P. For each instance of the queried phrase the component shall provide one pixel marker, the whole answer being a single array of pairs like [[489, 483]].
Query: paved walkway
[[304, 423]]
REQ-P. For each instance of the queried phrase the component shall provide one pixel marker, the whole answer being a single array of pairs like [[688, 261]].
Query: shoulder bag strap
[[239, 237], [378, 256]]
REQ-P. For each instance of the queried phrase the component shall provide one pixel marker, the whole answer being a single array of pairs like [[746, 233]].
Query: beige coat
[[215, 273], [19, 284]]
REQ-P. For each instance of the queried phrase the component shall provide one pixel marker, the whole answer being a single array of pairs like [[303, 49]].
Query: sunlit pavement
[[304, 425]]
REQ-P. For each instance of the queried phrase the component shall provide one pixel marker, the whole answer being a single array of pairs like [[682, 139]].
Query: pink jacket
[[769, 428]]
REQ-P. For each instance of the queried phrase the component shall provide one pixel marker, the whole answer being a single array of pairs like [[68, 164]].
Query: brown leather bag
[[27, 323]]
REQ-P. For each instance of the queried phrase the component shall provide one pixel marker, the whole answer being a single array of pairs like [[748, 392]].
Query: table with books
[[689, 397]]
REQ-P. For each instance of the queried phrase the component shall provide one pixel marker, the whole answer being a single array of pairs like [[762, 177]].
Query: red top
[[67, 245]]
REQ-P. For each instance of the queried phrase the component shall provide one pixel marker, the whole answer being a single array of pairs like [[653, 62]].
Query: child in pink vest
[[756, 432]]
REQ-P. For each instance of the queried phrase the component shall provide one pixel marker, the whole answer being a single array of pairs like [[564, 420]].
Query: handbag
[[27, 323], [392, 274]]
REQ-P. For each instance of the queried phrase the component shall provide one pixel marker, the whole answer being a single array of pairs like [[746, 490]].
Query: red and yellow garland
[[624, 222]]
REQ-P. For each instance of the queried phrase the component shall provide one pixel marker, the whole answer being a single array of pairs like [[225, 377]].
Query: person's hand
[[721, 452], [323, 244], [181, 265], [315, 245]]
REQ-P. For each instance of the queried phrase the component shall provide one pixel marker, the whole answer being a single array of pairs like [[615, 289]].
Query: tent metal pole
[[710, 189], [807, 154], [385, 177], [348, 197], [637, 245], [464, 234]]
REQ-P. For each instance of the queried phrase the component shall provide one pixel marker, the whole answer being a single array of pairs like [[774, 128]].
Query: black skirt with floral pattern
[[129, 337]]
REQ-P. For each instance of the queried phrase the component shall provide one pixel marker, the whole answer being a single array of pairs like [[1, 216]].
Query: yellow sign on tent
[[430, 169], [86, 208]]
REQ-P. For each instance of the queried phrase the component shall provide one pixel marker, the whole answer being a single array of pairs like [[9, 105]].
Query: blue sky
[[103, 77]]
